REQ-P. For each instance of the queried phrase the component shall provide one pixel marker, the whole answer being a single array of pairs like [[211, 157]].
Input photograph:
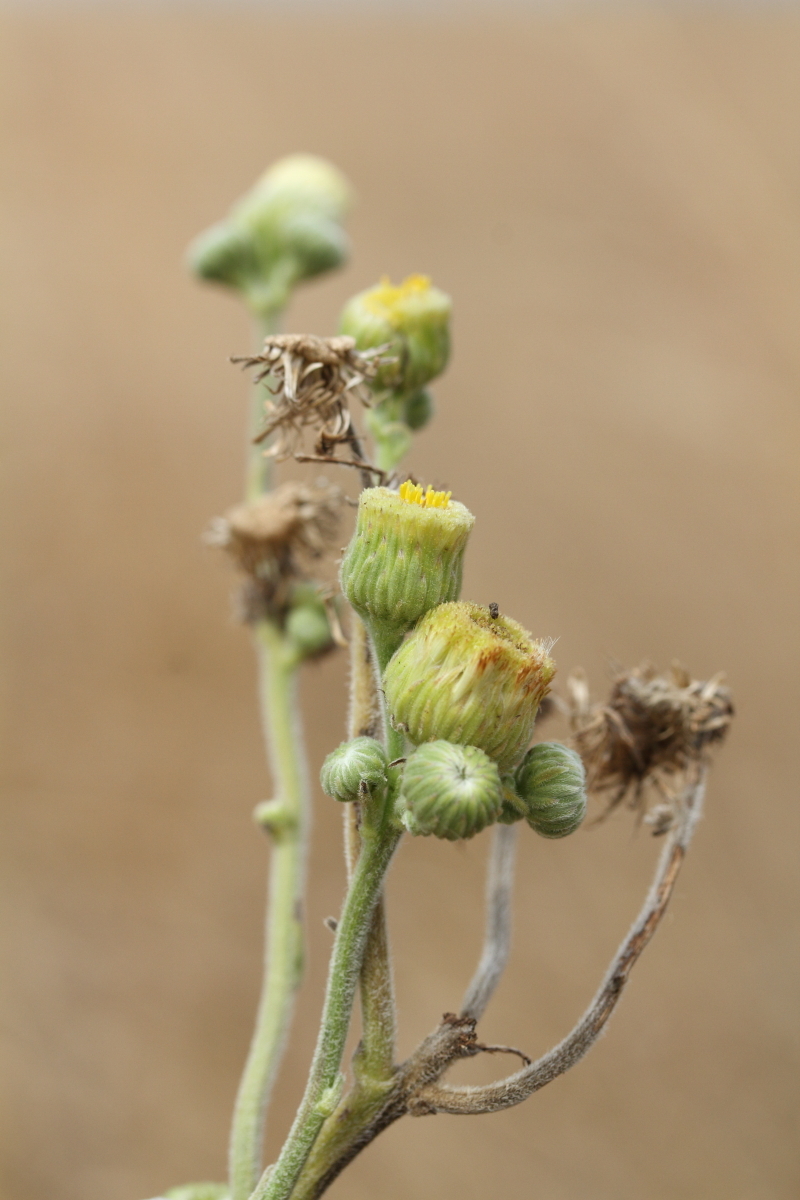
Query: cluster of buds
[[286, 229], [463, 687]]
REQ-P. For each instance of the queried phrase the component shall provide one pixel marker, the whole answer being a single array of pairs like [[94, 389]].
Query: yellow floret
[[413, 493]]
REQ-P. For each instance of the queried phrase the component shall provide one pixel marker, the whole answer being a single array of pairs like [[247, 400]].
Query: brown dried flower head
[[651, 729], [273, 538], [312, 380]]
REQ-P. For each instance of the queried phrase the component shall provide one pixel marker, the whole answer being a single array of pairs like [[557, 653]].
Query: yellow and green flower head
[[469, 676], [551, 783], [406, 554], [450, 791], [287, 228], [413, 319]]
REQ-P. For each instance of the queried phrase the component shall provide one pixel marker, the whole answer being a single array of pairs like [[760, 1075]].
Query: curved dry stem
[[497, 941], [516, 1088]]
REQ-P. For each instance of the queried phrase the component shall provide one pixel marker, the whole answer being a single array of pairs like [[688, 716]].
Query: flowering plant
[[444, 698]]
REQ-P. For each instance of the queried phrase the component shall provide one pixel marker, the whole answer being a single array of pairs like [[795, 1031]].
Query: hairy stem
[[497, 941], [319, 1101], [375, 1057], [287, 820]]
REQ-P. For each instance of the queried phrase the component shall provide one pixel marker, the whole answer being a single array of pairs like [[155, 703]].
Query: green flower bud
[[354, 769], [406, 554], [551, 783], [285, 229], [450, 791], [307, 625], [413, 319], [419, 408], [469, 677]]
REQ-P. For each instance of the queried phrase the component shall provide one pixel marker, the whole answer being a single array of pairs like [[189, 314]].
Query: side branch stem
[[497, 941], [283, 965], [516, 1088]]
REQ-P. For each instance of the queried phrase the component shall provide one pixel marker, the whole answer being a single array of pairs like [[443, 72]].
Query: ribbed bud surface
[[354, 767], [450, 791], [471, 678], [551, 782], [404, 557]]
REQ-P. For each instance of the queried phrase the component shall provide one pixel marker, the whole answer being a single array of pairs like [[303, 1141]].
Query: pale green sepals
[[403, 558], [551, 783], [355, 770], [449, 791]]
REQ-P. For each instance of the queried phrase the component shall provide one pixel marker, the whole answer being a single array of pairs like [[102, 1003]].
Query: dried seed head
[[273, 538], [651, 729], [311, 381]]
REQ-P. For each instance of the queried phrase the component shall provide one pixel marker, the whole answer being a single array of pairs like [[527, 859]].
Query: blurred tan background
[[613, 200]]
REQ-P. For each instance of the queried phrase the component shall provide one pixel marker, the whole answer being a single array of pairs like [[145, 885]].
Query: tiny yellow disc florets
[[388, 298], [413, 493]]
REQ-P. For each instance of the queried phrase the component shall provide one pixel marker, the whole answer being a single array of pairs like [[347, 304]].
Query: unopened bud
[[406, 554], [307, 625], [450, 791], [469, 677], [354, 770], [285, 229], [551, 783], [413, 320]]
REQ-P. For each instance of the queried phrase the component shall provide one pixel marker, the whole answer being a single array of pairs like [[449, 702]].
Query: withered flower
[[273, 538], [652, 729], [312, 382]]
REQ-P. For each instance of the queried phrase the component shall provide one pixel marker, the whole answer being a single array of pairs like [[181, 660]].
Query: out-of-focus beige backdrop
[[613, 200]]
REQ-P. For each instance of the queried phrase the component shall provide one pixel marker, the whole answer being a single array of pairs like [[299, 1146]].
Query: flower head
[[406, 554], [471, 676], [412, 318]]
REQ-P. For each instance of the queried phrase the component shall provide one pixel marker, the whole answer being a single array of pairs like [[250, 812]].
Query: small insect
[[494, 611]]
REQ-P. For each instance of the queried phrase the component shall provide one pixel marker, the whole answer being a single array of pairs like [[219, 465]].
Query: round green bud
[[418, 409], [450, 791], [413, 319], [308, 628], [354, 770], [469, 676], [406, 554], [287, 228], [551, 783]]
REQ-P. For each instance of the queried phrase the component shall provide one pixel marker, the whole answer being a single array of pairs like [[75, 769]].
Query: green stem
[[288, 823], [258, 470], [379, 840]]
